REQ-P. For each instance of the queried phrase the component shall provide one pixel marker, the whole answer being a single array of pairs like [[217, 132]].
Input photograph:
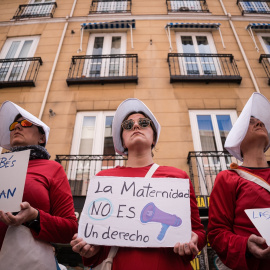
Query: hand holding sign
[[261, 220]]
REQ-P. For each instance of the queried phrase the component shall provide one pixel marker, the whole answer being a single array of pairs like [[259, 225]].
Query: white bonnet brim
[[8, 111], [257, 106]]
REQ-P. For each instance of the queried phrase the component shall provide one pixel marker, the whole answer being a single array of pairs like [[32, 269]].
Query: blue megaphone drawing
[[151, 213]]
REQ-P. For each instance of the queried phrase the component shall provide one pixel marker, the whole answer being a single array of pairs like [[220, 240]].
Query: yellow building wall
[[170, 102]]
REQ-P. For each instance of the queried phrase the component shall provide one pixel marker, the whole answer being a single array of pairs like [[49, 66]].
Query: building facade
[[193, 63]]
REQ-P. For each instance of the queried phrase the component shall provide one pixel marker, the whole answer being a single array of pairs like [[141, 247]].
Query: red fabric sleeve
[[60, 224], [231, 248]]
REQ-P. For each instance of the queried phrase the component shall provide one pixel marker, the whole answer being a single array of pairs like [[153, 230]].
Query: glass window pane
[[187, 44], [224, 125], [4, 68], [206, 133], [25, 49], [108, 140], [12, 50], [87, 136], [267, 43], [203, 44], [98, 46], [116, 45]]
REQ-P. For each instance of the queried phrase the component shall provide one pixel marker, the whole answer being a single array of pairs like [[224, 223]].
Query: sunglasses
[[23, 123], [143, 123]]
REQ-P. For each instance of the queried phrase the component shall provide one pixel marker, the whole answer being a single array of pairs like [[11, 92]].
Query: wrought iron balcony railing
[[35, 10], [190, 67], [204, 167], [187, 6], [80, 168], [15, 72], [265, 60], [109, 6], [254, 6], [114, 68]]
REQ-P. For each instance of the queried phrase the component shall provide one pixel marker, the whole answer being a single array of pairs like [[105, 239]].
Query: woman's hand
[[80, 246], [255, 246], [188, 248], [27, 213]]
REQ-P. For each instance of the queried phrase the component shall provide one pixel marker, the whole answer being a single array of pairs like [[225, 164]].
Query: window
[[199, 43], [209, 131], [112, 6], [185, 6], [255, 7], [92, 136], [17, 48], [265, 41], [39, 9], [105, 44]]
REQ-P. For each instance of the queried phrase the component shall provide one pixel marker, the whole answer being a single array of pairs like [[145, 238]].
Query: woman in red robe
[[230, 232], [135, 132]]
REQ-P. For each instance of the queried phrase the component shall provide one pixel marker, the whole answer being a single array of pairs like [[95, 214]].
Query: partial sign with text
[[136, 212], [13, 168]]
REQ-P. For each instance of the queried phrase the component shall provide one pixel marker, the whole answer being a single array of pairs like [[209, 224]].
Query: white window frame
[[211, 45], [197, 143], [106, 51], [98, 142], [195, 129], [260, 36], [31, 53]]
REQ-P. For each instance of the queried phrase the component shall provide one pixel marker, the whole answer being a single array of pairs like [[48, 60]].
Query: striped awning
[[259, 26], [193, 25], [109, 25]]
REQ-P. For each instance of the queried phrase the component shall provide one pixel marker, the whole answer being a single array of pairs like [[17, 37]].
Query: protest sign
[[136, 212], [260, 217], [13, 168]]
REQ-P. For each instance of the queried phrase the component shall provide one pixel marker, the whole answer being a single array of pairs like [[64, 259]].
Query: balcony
[[254, 7], [35, 10], [80, 168], [101, 69], [265, 60], [177, 6], [107, 6], [17, 72], [204, 167], [192, 67]]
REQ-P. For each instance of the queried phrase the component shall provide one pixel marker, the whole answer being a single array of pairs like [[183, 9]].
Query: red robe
[[229, 227], [151, 258], [47, 189]]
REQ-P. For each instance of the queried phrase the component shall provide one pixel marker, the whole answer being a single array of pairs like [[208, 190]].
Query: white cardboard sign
[[260, 217], [136, 212], [13, 168]]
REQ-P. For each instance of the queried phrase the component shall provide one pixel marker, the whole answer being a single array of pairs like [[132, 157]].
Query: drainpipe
[[241, 48], [55, 62]]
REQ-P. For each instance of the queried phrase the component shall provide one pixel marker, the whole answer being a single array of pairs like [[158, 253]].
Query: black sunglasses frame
[[19, 122], [132, 122]]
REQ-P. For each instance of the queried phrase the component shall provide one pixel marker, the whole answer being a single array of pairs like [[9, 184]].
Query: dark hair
[[151, 124], [40, 129]]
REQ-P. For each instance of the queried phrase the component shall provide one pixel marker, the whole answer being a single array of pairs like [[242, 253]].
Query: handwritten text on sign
[[138, 212], [260, 217], [13, 168]]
